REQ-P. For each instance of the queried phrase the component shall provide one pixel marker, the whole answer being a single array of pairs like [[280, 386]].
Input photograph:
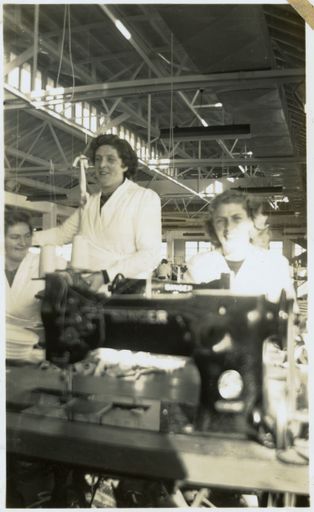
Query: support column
[[179, 251], [170, 246], [287, 248]]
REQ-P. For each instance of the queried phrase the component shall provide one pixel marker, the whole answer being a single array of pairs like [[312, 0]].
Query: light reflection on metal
[[230, 385]]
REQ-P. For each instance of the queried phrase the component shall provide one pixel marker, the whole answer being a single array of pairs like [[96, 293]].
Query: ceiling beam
[[39, 171], [30, 158], [34, 142], [137, 87], [58, 144], [82, 27], [19, 60], [51, 47], [106, 57], [46, 114], [38, 185], [55, 50], [222, 162], [180, 184], [20, 201]]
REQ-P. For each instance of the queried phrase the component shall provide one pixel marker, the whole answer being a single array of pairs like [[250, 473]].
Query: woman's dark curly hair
[[13, 217], [123, 148], [252, 205]]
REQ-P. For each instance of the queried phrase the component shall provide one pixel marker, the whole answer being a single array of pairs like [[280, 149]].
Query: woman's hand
[[94, 280]]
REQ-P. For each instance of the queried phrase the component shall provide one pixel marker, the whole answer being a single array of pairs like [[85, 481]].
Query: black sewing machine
[[222, 333]]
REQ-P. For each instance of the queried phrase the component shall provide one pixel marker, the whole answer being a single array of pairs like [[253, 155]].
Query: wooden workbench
[[205, 460]]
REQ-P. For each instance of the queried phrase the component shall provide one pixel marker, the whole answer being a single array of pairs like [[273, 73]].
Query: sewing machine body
[[222, 333]]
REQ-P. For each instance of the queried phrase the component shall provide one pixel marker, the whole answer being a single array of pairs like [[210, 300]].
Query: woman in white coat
[[22, 307], [23, 319], [121, 223], [234, 218]]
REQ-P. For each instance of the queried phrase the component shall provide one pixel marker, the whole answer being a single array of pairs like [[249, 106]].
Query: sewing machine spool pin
[[67, 378]]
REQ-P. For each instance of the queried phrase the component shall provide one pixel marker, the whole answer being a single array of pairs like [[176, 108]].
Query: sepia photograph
[[155, 251]]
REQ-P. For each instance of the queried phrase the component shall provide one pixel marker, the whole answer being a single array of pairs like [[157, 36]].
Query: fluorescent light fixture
[[124, 31], [164, 58], [242, 169], [231, 179], [205, 132], [208, 105]]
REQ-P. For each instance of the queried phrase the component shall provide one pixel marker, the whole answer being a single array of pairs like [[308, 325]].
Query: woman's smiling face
[[18, 240], [109, 168], [233, 227]]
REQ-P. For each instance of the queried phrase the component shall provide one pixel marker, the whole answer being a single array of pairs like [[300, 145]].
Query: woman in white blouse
[[234, 217], [21, 286]]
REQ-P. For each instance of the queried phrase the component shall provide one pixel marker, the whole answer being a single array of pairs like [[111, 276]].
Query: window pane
[[164, 250], [78, 113], [204, 246], [59, 107], [38, 81], [93, 119], [191, 248], [13, 77], [26, 78], [298, 250], [50, 84], [68, 110], [86, 122], [138, 147]]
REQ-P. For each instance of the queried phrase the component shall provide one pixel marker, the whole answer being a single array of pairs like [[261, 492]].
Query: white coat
[[22, 307], [262, 272], [125, 237], [20, 296]]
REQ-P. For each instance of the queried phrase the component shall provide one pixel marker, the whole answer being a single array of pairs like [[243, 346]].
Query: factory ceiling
[[215, 93]]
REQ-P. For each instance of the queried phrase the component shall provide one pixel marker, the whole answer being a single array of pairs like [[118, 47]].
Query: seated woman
[[22, 307], [234, 218], [164, 269]]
